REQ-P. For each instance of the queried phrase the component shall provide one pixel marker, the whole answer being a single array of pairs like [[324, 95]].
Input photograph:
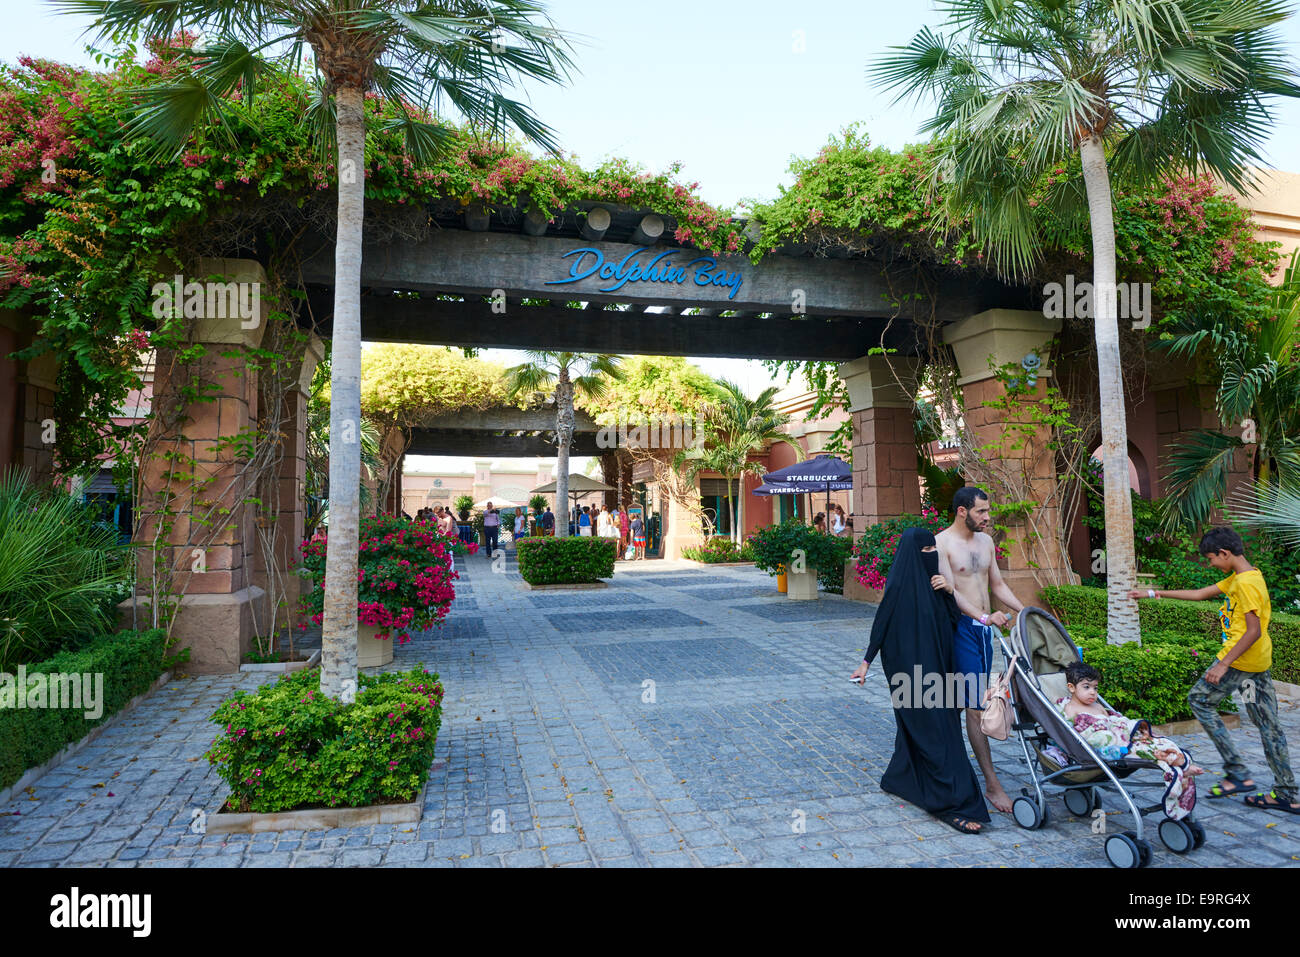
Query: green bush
[[287, 746], [61, 571], [565, 561], [1150, 680], [719, 549], [130, 661], [1080, 607]]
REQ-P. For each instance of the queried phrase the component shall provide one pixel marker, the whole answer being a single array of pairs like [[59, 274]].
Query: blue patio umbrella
[[823, 472]]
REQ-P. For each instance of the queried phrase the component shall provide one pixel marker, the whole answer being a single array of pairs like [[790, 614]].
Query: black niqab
[[914, 627]]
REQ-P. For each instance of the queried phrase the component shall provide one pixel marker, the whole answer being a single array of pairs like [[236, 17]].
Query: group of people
[[840, 524], [934, 618], [441, 517], [616, 523]]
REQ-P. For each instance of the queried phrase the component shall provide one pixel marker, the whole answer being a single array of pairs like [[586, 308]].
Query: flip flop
[[1276, 804], [1238, 785], [959, 823]]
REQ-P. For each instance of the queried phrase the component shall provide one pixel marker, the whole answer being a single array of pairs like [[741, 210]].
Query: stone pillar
[[885, 482], [1012, 453], [1184, 405], [194, 483], [27, 392]]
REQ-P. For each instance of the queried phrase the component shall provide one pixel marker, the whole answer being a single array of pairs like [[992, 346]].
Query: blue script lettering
[[589, 261]]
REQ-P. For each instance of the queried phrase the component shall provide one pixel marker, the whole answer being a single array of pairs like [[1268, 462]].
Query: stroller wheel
[[1144, 853], [1177, 836], [1198, 832], [1027, 813], [1081, 801], [1122, 851]]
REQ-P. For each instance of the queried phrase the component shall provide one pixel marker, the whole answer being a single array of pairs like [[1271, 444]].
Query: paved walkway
[[681, 717]]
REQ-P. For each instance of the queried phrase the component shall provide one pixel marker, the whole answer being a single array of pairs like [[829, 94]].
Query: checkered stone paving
[[666, 661], [747, 747], [593, 623]]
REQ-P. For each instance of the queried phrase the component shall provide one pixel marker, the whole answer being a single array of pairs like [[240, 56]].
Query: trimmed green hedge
[[130, 661], [566, 561], [287, 746], [1077, 605], [1151, 680]]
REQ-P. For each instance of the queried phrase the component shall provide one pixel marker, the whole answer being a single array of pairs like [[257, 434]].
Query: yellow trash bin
[[780, 579]]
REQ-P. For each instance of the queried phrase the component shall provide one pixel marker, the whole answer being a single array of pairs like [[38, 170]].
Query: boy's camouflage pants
[[1256, 689]]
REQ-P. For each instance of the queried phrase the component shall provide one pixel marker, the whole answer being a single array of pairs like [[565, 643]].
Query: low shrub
[[287, 746], [719, 549], [1150, 680], [129, 662], [566, 561]]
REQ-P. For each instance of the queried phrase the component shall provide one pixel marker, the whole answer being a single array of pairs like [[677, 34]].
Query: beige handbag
[[996, 718]]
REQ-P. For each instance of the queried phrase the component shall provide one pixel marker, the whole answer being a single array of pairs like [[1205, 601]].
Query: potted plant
[[404, 582], [462, 504], [537, 505]]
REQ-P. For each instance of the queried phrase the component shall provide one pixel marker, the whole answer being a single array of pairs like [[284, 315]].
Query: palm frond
[[1198, 475], [1274, 508]]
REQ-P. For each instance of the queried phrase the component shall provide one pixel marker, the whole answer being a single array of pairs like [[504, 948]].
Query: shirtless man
[[966, 561]]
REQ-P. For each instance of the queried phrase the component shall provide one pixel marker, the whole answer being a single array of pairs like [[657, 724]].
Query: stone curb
[[699, 564], [581, 586], [32, 775], [320, 819], [1230, 721], [286, 667]]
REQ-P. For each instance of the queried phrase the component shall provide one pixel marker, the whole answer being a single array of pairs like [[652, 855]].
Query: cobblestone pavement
[[680, 717]]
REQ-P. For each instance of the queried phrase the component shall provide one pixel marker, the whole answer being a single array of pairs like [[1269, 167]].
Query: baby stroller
[[1038, 653]]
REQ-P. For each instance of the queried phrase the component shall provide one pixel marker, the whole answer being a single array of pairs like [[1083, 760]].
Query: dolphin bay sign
[[589, 261]]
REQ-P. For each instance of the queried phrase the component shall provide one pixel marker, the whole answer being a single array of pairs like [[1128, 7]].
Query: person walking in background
[[637, 528], [521, 523], [624, 529], [584, 521], [491, 528], [548, 521]]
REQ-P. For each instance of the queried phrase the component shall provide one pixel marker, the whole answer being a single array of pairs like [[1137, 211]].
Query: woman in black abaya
[[914, 626]]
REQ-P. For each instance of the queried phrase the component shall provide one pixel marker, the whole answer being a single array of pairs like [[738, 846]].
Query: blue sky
[[732, 89]]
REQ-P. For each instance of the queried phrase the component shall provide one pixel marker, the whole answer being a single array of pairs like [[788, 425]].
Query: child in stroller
[[1115, 736]]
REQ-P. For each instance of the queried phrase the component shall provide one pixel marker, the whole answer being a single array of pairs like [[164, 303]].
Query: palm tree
[[565, 374], [1258, 364], [419, 56], [1134, 89], [738, 427]]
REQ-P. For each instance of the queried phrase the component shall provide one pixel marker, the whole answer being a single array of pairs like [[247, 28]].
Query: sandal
[[1270, 802], [1222, 790], [965, 826]]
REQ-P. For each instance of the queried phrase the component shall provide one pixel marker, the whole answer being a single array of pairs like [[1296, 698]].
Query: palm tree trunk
[[339, 625], [731, 509], [1121, 611], [564, 432]]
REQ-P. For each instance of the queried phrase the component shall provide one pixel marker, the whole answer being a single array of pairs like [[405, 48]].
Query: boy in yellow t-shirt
[[1243, 665]]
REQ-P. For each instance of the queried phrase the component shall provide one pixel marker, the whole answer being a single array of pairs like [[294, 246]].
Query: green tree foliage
[[652, 386], [405, 385]]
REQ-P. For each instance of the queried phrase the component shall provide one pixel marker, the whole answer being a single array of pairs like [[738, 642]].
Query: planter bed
[[323, 818], [573, 586], [692, 561], [284, 667], [1173, 728]]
